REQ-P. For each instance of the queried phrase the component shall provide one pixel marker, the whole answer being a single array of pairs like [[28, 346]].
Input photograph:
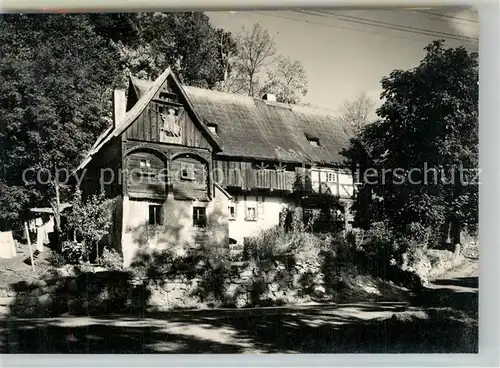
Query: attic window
[[145, 164], [313, 140], [211, 126], [168, 96]]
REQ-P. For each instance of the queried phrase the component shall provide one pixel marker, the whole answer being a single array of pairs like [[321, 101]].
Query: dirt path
[[470, 268], [463, 278]]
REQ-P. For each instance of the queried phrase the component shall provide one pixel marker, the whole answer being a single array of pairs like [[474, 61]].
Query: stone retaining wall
[[242, 284]]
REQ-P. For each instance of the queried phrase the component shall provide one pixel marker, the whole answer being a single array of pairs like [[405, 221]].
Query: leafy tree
[[118, 27], [90, 220], [57, 73], [427, 142], [186, 42], [56, 77], [288, 81]]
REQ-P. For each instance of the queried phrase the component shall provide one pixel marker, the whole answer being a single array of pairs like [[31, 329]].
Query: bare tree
[[255, 51], [288, 81], [358, 111]]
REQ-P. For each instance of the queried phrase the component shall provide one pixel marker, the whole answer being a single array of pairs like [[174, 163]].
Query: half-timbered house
[[189, 165]]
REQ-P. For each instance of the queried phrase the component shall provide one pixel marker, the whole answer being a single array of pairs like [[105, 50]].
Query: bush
[[73, 252], [56, 260], [152, 265], [277, 242], [379, 247], [90, 221], [111, 259]]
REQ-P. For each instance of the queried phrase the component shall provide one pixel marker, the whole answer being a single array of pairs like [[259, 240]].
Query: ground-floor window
[[232, 213], [155, 214], [199, 217], [251, 214]]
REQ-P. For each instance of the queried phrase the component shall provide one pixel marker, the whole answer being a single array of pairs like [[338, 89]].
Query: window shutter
[[151, 215]]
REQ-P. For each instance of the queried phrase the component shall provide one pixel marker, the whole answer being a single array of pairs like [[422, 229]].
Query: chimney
[[269, 97], [119, 105]]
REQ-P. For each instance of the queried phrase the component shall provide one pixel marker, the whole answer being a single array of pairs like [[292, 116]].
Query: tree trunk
[[455, 231], [56, 208]]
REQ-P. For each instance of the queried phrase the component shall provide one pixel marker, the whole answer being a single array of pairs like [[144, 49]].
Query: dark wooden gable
[[168, 119]]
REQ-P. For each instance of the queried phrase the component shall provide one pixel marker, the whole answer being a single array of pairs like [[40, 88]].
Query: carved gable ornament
[[171, 130], [171, 125]]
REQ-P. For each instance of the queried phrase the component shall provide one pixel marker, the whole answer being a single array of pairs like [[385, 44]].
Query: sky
[[344, 58]]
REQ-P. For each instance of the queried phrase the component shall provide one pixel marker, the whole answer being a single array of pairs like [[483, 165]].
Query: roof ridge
[[273, 103]]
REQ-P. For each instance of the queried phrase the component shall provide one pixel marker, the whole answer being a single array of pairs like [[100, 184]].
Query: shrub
[[379, 246], [56, 260], [90, 220], [277, 242], [152, 265], [111, 259], [72, 251]]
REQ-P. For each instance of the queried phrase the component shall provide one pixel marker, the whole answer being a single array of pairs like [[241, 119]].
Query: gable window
[[187, 171], [251, 214], [232, 213], [145, 164], [213, 129], [199, 217], [167, 96], [155, 215]]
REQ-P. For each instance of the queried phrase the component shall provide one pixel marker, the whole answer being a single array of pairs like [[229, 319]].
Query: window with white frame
[[251, 214], [314, 142], [232, 212], [331, 177], [187, 171]]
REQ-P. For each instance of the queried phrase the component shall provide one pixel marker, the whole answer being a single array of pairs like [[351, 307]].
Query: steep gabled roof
[[249, 127], [147, 93]]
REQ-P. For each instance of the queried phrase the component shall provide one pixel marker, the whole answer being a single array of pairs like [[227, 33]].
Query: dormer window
[[313, 140], [211, 126]]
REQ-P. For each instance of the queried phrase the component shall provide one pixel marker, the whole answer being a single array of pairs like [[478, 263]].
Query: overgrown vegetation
[[58, 71], [88, 222], [110, 259], [418, 163]]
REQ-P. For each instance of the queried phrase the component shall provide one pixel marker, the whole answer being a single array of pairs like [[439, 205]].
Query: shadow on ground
[[467, 282], [441, 320]]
